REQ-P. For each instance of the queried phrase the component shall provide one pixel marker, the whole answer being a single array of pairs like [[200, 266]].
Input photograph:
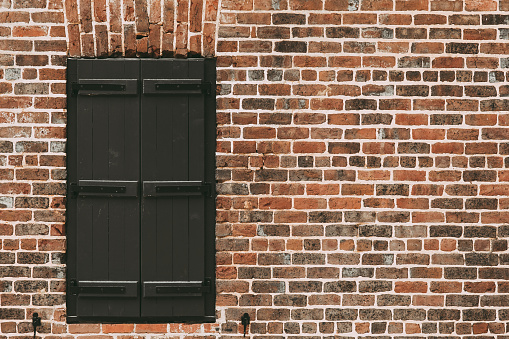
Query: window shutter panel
[[178, 206], [103, 200]]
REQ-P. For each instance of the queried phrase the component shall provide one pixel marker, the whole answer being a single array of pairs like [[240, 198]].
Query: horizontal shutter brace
[[104, 289], [176, 86], [176, 288], [105, 87]]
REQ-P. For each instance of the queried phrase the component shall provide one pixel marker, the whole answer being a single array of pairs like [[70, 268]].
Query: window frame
[[209, 227]]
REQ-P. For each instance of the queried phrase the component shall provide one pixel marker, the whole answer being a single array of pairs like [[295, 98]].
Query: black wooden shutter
[[141, 207], [177, 188]]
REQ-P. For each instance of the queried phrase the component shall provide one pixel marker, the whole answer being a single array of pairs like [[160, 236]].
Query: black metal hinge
[[75, 87]]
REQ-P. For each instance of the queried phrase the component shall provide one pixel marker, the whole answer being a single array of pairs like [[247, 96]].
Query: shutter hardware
[[177, 86], [176, 188], [76, 189], [176, 288], [75, 289], [204, 87], [76, 87], [150, 188]]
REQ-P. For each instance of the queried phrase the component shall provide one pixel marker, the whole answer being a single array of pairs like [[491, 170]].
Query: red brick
[[345, 203], [410, 287], [448, 62], [306, 5]]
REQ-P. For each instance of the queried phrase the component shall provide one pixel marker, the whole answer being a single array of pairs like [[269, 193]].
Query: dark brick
[[31, 258], [481, 259], [49, 189], [305, 175], [274, 259], [307, 314], [48, 299], [494, 273], [446, 119], [376, 119], [335, 314], [393, 300], [375, 314], [374, 286], [447, 203], [443, 231], [5, 286], [15, 271], [412, 259], [480, 231], [273, 314], [305, 286], [480, 175], [479, 315], [268, 287], [254, 272], [344, 258], [383, 231], [359, 47], [12, 313], [232, 189], [360, 104], [377, 259], [414, 62], [494, 105], [308, 259], [325, 217], [295, 300], [255, 300], [447, 90], [445, 33], [273, 230], [409, 314], [342, 32], [291, 47], [343, 231], [495, 19], [443, 314], [480, 91], [392, 189], [389, 216], [460, 273], [462, 48], [481, 204], [258, 103], [344, 147], [494, 300], [358, 216], [378, 327], [412, 90], [462, 300], [288, 19], [273, 32], [32, 202], [353, 272], [340, 287]]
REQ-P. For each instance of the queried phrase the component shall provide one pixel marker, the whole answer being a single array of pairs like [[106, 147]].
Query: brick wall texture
[[362, 161]]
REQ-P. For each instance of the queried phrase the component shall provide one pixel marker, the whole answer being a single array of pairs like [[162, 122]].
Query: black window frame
[[205, 89]]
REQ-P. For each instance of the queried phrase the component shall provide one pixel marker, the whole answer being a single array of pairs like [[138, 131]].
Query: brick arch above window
[[141, 28]]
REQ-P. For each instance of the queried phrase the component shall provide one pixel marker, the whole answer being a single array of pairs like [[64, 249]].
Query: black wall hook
[[36, 322], [245, 320]]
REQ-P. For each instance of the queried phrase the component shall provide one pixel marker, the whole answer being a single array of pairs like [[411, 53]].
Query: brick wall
[[361, 157]]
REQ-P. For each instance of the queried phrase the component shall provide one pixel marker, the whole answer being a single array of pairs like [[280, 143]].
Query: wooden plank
[[107, 228], [197, 172]]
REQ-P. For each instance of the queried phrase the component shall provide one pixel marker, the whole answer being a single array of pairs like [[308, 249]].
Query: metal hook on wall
[[245, 320], [36, 322]]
